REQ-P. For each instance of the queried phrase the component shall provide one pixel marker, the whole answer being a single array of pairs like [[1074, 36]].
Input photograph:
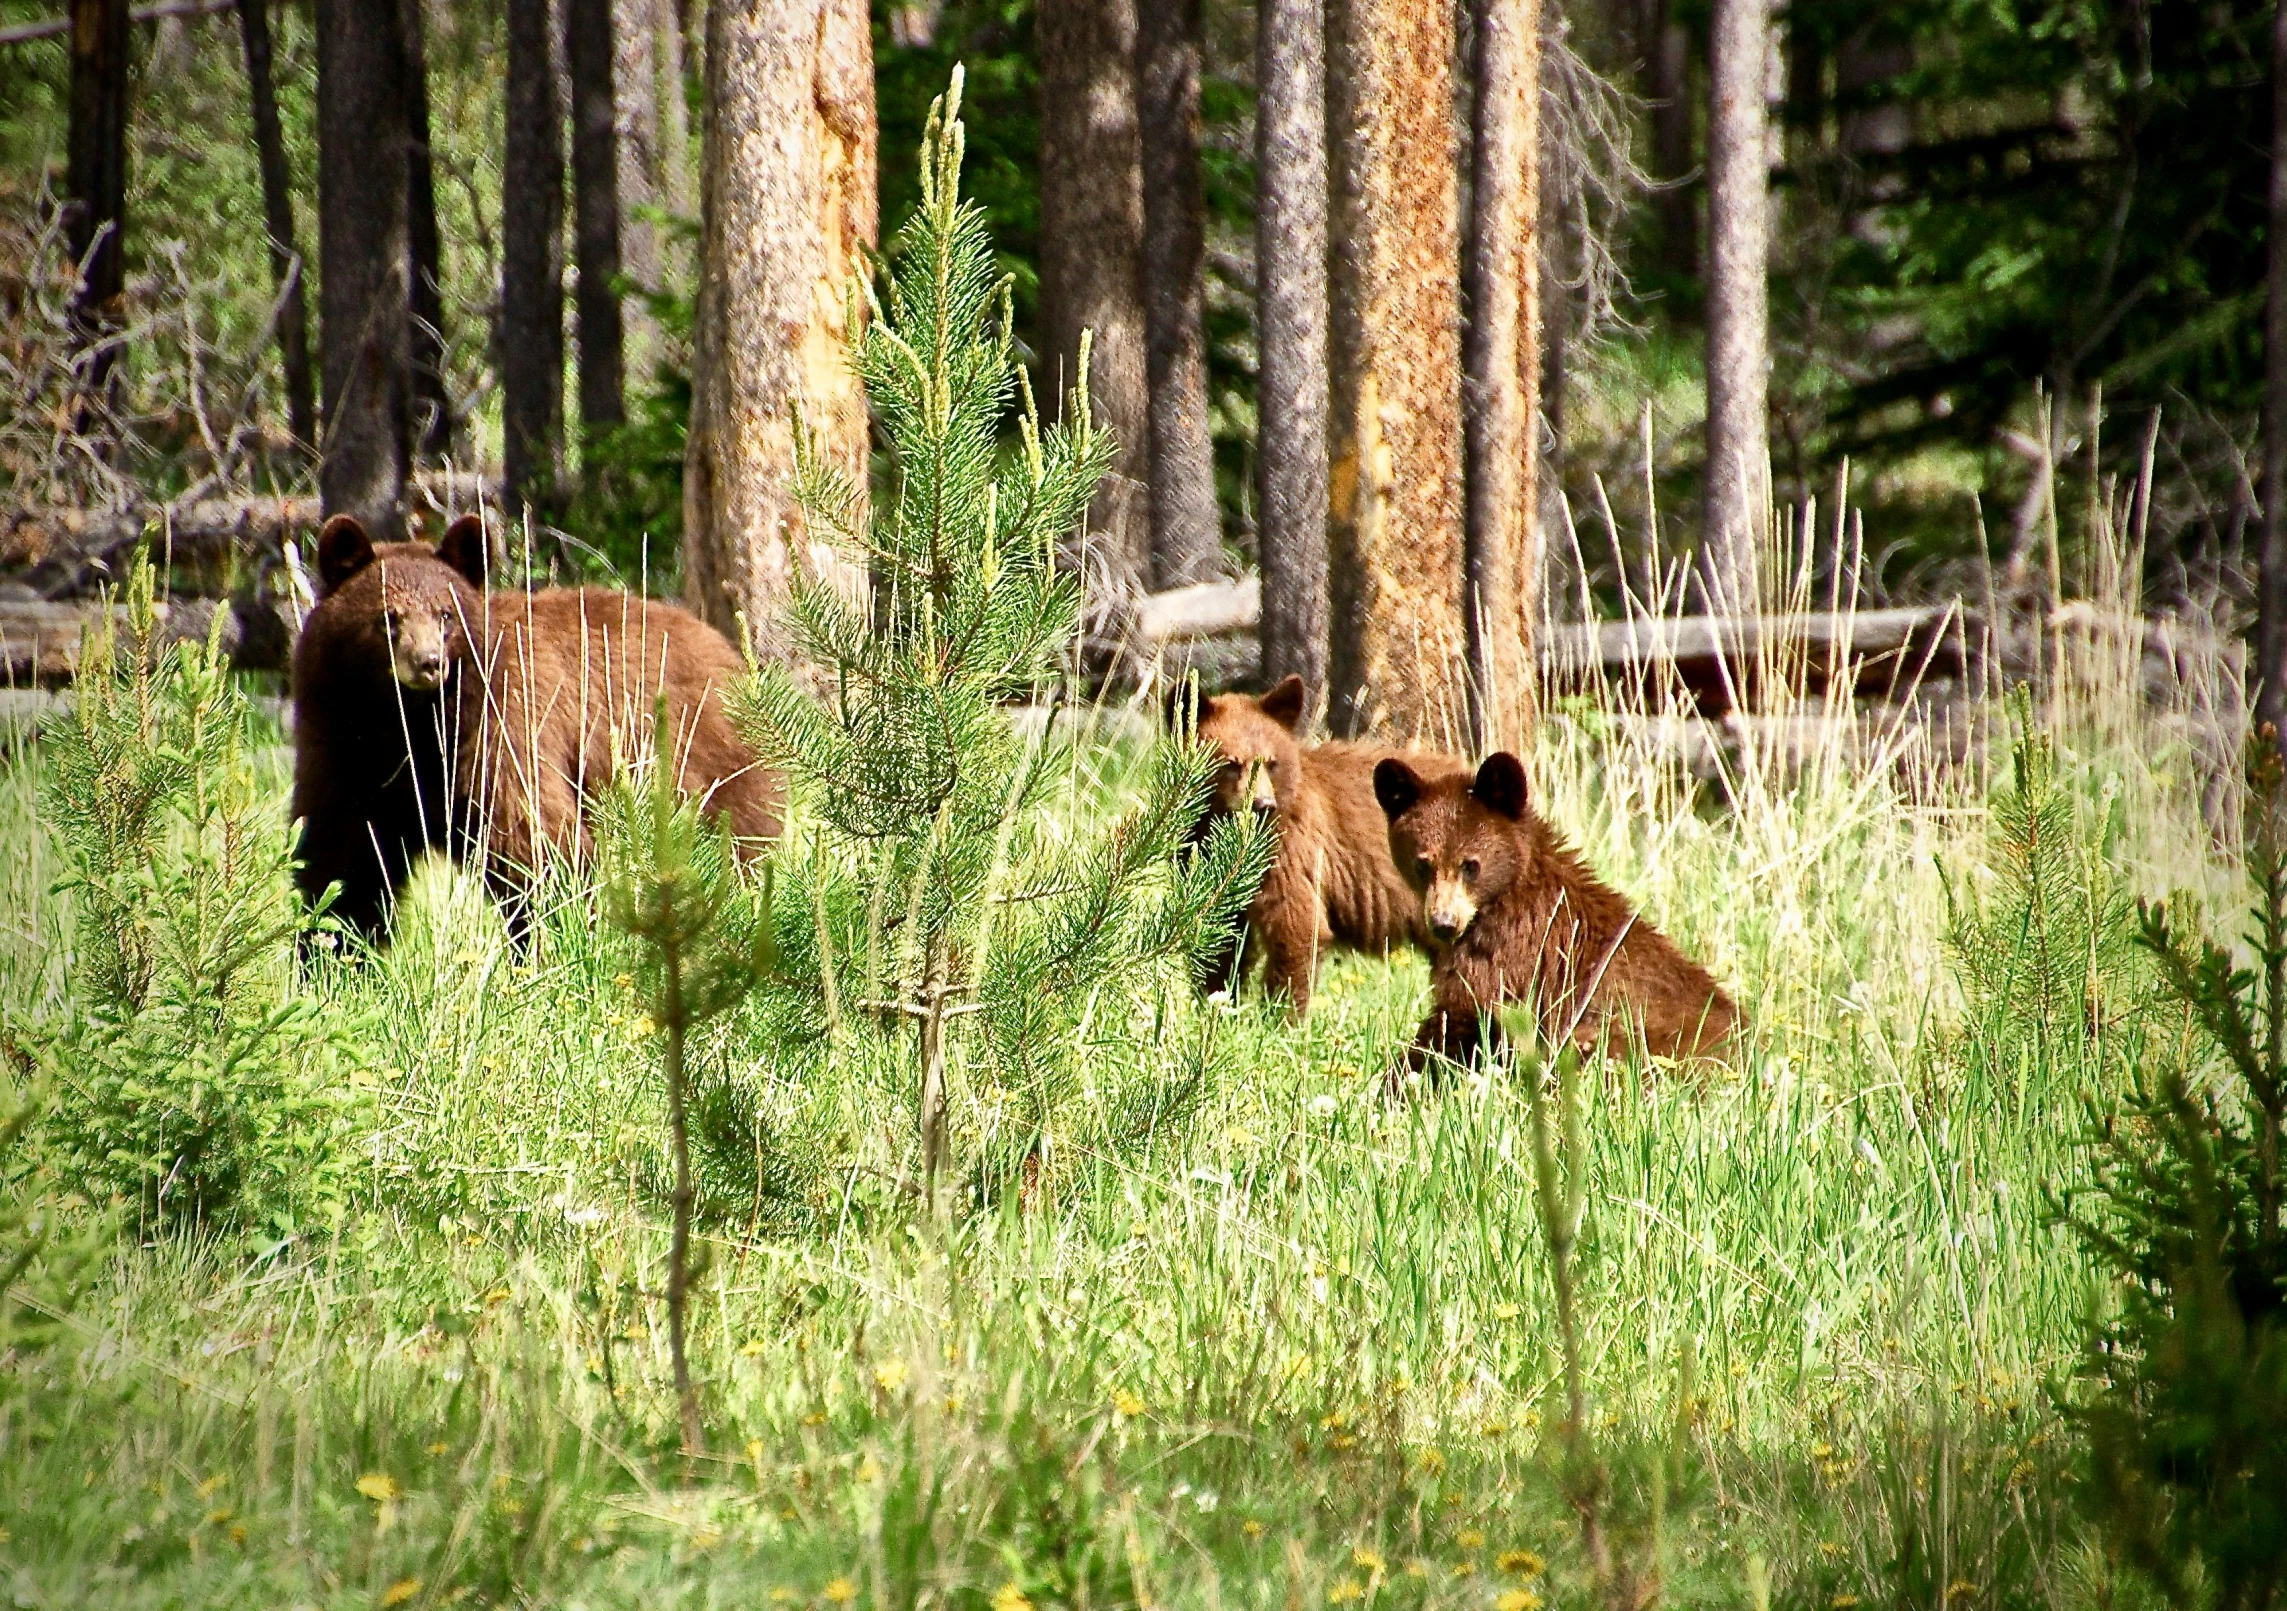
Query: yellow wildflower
[[1471, 1538], [1370, 1559], [1518, 1600], [841, 1591], [1961, 1588], [1506, 1311], [1008, 1597], [889, 1375], [1344, 1592], [1523, 1562], [1251, 1527], [400, 1591], [1465, 1569], [378, 1487], [206, 1489], [1843, 1602], [1127, 1403]]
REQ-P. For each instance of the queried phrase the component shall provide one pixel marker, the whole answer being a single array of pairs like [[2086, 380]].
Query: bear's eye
[[1422, 868], [389, 619], [1469, 870]]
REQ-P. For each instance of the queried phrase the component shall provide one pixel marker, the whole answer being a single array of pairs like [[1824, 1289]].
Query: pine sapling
[[671, 883]]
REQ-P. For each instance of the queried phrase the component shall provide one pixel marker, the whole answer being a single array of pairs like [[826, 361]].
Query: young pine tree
[[993, 926]]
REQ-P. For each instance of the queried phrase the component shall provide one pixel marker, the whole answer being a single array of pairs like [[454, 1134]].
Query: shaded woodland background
[[2012, 250]]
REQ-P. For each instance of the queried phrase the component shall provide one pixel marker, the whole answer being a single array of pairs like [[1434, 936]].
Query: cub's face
[[1455, 838], [1255, 739], [405, 603]]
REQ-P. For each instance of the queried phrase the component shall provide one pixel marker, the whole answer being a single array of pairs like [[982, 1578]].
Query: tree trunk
[[788, 200], [1186, 528], [1397, 649], [636, 98], [531, 268], [1501, 364], [432, 398], [1738, 354], [1667, 49], [595, 211], [2271, 603], [96, 186], [1290, 327], [1091, 246], [364, 320], [278, 222]]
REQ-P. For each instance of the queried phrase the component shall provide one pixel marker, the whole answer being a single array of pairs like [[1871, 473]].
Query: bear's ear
[[463, 548], [1283, 704], [343, 551], [1187, 705], [1396, 786], [1500, 785]]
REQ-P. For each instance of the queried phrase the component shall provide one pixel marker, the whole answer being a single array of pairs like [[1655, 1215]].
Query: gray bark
[[286, 276], [364, 302], [1186, 528], [1290, 327], [1091, 246], [637, 95], [531, 270], [596, 213], [1738, 349]]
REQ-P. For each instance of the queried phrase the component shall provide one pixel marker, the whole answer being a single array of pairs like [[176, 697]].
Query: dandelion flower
[[1127, 1403], [1251, 1527], [1961, 1588], [1008, 1597], [1843, 1602], [400, 1591], [753, 1347], [1370, 1559], [840, 1590], [889, 1375], [1471, 1538], [1523, 1562], [378, 1487], [1517, 1600], [1465, 1569], [206, 1489], [1344, 1592], [1506, 1311]]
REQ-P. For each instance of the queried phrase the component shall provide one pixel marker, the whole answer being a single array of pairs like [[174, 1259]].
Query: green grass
[[1297, 1351]]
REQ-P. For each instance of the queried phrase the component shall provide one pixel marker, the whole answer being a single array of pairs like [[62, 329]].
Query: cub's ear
[[1187, 706], [463, 548], [343, 551], [1283, 704], [1500, 785], [1396, 786]]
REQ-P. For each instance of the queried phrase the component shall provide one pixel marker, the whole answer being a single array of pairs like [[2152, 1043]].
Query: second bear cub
[[1517, 917], [1333, 882]]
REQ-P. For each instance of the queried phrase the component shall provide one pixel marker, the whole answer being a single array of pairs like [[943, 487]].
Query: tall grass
[[1299, 1350]]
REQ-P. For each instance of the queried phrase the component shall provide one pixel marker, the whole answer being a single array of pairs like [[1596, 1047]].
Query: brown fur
[[1333, 882], [1517, 917], [430, 714]]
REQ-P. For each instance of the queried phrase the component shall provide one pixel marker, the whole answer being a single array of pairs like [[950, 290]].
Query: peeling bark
[[788, 199], [1738, 308]]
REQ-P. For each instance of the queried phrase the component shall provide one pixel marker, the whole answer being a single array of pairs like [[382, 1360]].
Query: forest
[[739, 740]]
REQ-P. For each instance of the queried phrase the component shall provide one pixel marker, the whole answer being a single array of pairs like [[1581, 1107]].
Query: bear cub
[[1515, 916], [430, 714], [1333, 882]]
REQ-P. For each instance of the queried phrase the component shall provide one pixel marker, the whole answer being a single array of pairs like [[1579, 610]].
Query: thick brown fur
[[430, 714], [1515, 916], [1333, 882]]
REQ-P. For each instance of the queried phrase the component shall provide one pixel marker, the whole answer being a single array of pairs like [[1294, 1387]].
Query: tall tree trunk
[[1186, 528], [595, 213], [2271, 601], [96, 184], [278, 222], [432, 398], [1290, 328], [1396, 653], [636, 97], [364, 318], [531, 266], [1501, 365], [1091, 246], [1738, 352], [788, 201], [1667, 49]]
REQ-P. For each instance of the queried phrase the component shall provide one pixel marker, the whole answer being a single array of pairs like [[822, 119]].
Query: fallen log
[[41, 643]]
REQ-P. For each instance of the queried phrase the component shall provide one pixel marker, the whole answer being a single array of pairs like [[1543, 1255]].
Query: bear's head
[[1255, 739], [404, 604], [1456, 838]]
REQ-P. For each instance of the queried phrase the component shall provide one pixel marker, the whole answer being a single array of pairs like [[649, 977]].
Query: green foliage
[[194, 1076], [2043, 955], [2189, 1429], [994, 930], [46, 1249]]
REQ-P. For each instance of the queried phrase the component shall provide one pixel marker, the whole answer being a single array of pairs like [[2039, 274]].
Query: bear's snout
[[1448, 910], [417, 655]]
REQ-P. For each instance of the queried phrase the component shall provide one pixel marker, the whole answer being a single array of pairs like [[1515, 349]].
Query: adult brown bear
[[1515, 916], [430, 714], [1333, 883]]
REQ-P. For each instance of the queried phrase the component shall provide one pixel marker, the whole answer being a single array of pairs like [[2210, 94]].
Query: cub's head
[[405, 604], [1255, 737], [1455, 838]]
